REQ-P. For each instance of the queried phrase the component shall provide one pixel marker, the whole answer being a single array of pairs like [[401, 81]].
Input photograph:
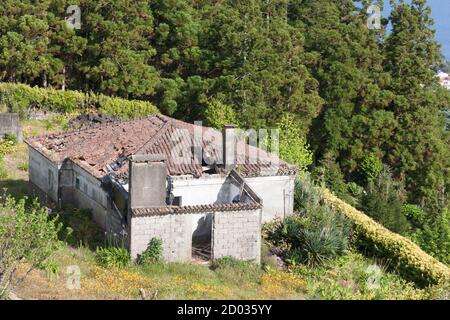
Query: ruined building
[[191, 186]]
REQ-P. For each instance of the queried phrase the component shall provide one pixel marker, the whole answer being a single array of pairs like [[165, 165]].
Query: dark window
[[77, 183], [177, 201]]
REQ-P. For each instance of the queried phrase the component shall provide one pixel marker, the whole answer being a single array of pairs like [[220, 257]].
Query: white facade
[[276, 192]]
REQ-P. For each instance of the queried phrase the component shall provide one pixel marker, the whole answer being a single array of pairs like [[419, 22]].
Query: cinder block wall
[[9, 123], [174, 230], [237, 234]]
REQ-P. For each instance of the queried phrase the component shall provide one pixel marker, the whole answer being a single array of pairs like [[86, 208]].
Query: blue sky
[[441, 15]]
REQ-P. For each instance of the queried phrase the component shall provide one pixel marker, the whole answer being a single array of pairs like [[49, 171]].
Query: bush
[[316, 237], [413, 263], [293, 147], [20, 98], [153, 253], [434, 235], [329, 174], [414, 214], [218, 114], [314, 234], [371, 166], [26, 234], [115, 257]]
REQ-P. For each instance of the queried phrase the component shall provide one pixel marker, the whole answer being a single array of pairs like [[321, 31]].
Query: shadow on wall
[[204, 228], [228, 191]]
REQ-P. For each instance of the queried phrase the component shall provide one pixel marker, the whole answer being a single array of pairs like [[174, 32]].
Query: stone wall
[[237, 234], [9, 123], [175, 231]]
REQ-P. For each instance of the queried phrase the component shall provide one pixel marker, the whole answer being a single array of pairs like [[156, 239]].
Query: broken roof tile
[[97, 147]]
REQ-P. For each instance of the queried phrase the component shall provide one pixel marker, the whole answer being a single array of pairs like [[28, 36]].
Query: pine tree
[[418, 150], [346, 60]]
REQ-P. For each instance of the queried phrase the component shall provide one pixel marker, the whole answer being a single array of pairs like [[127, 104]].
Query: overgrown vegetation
[[22, 99], [153, 253], [28, 235]]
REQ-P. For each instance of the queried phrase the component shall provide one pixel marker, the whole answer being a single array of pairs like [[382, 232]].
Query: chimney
[[229, 146], [147, 181]]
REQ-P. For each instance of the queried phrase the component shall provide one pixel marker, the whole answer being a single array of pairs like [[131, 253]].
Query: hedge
[[20, 97], [412, 262]]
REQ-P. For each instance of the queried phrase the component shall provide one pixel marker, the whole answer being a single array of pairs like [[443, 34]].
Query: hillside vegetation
[[358, 107]]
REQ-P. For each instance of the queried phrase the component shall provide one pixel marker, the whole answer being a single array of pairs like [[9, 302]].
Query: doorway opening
[[201, 238]]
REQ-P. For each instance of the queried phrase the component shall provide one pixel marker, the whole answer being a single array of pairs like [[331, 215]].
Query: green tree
[[26, 234], [418, 149], [384, 203], [292, 144], [217, 114]]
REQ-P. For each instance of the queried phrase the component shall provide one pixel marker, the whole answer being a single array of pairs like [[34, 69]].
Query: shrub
[[312, 235], [153, 253], [115, 257], [20, 98], [434, 236], [293, 147], [26, 234], [125, 108], [218, 114], [329, 174], [371, 166], [413, 263], [316, 237], [414, 214]]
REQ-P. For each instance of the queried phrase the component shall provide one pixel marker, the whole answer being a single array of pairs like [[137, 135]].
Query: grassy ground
[[348, 277]]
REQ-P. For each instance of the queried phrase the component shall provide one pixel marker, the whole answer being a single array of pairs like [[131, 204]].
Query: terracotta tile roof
[[163, 210], [99, 148]]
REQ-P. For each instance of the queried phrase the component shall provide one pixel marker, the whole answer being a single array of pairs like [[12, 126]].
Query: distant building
[[444, 79], [129, 174]]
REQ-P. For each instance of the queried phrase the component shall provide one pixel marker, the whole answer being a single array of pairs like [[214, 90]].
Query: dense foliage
[[22, 99], [27, 234], [403, 254], [153, 252], [358, 98], [314, 234]]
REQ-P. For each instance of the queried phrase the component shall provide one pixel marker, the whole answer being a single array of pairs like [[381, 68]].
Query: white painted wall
[[205, 190], [277, 192], [43, 173]]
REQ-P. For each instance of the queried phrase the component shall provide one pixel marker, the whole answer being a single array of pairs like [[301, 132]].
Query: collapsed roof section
[[189, 149]]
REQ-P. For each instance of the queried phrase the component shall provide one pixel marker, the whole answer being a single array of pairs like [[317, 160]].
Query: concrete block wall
[[175, 231], [9, 123], [237, 234]]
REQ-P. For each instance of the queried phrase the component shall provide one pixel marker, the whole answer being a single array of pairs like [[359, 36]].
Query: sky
[[441, 15]]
